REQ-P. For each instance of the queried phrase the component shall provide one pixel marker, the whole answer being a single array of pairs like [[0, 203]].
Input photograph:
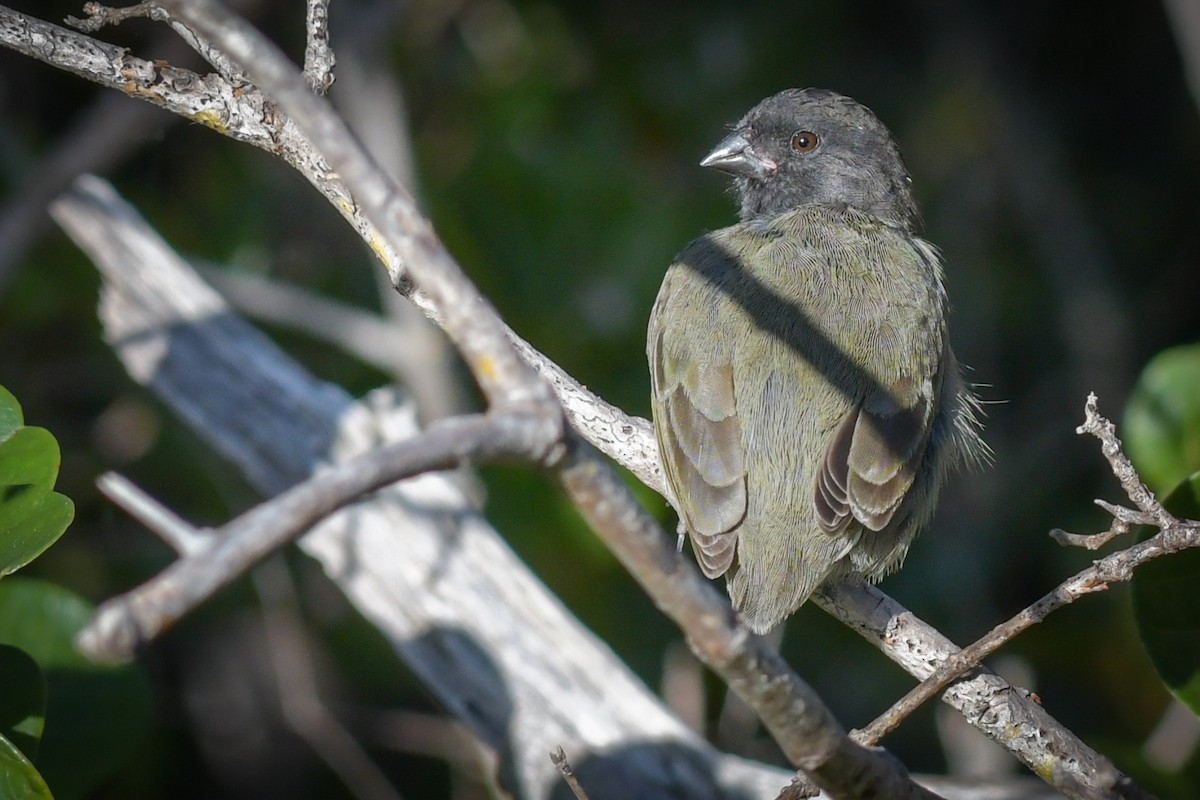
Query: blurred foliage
[[1056, 154], [22, 717], [23, 702], [97, 716]]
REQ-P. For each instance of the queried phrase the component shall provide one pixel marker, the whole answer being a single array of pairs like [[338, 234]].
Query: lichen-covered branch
[[1174, 535]]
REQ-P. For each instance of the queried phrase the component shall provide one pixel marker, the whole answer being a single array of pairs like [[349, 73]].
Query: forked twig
[[559, 757], [1174, 535]]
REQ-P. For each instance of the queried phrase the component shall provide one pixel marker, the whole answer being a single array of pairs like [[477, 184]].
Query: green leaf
[[1166, 604], [32, 514], [18, 779], [42, 619], [1161, 431], [96, 716], [10, 414], [22, 699]]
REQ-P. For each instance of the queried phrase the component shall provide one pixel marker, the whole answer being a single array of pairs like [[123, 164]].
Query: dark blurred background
[[1055, 149]]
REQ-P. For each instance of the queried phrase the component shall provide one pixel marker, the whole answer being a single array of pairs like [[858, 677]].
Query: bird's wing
[[700, 440], [872, 459]]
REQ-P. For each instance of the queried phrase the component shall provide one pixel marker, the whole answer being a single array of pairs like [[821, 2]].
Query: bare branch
[[1174, 535], [98, 16], [418, 561], [559, 757], [805, 729], [299, 699], [1093, 541], [182, 537], [232, 108], [235, 110], [318, 55], [1122, 467], [1006, 713], [627, 440], [796, 717], [466, 315], [124, 623]]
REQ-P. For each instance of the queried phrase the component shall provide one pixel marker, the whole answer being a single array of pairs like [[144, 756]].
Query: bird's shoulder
[[813, 256], [810, 241]]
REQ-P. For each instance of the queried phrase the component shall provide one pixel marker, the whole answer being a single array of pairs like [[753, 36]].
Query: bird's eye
[[804, 141]]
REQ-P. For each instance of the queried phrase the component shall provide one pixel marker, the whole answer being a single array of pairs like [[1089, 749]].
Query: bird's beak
[[735, 156]]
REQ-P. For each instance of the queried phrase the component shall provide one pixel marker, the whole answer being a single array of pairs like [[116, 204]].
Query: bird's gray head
[[812, 146]]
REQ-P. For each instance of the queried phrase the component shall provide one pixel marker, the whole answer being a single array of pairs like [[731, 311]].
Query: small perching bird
[[806, 401]]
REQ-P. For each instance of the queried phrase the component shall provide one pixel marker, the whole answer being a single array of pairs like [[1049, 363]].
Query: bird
[[806, 403]]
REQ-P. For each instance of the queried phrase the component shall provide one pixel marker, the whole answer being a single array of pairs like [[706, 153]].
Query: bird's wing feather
[[700, 439], [871, 461]]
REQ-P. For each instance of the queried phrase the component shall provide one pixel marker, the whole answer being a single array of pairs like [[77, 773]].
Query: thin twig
[[559, 757], [245, 114], [1174, 535], [123, 623], [298, 696], [1093, 541], [468, 318], [318, 55], [299, 699], [229, 106], [183, 537], [99, 16], [1122, 467]]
